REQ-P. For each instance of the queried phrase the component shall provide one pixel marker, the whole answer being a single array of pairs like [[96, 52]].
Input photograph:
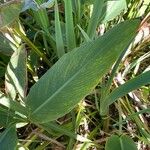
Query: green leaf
[[86, 37], [8, 117], [62, 130], [8, 139], [70, 35], [9, 12], [16, 74], [58, 32], [12, 105], [4, 46], [96, 14], [112, 9], [2, 71], [124, 89], [77, 73], [120, 143], [42, 19]]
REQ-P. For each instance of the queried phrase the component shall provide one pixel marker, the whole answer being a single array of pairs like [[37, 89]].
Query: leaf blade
[[120, 143], [94, 20], [124, 89], [8, 139], [81, 69], [70, 35], [16, 74], [58, 32], [9, 12]]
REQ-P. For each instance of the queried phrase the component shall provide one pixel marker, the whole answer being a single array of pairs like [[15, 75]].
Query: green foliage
[[9, 12], [61, 66], [112, 9], [16, 74], [8, 139], [58, 32], [81, 69], [124, 89], [70, 35], [120, 143], [5, 48]]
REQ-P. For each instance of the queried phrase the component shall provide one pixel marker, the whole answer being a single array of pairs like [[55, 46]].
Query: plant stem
[[32, 46]]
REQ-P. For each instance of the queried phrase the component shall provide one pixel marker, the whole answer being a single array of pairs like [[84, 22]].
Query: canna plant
[[78, 70]]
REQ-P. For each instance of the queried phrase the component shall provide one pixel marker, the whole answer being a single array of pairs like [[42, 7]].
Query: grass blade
[[42, 20], [70, 35], [86, 37], [59, 39], [32, 46], [124, 89], [60, 129], [96, 14]]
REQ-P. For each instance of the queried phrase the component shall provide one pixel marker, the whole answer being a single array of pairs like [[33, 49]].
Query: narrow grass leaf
[[96, 15], [70, 35], [64, 131], [32, 46], [77, 73], [132, 116], [58, 32], [86, 37], [124, 89], [123, 142], [42, 19], [8, 139]]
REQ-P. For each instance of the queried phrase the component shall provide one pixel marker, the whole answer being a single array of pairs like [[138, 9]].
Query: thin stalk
[[45, 44], [32, 46], [120, 117]]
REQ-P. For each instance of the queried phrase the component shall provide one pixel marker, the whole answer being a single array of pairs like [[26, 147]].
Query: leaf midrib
[[62, 86]]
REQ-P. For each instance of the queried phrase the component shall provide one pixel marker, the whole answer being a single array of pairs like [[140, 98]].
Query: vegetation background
[[74, 74]]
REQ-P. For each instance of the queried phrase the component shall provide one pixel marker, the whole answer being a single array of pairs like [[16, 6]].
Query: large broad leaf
[[120, 143], [112, 9], [124, 89], [16, 74], [77, 73], [8, 139], [9, 12]]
